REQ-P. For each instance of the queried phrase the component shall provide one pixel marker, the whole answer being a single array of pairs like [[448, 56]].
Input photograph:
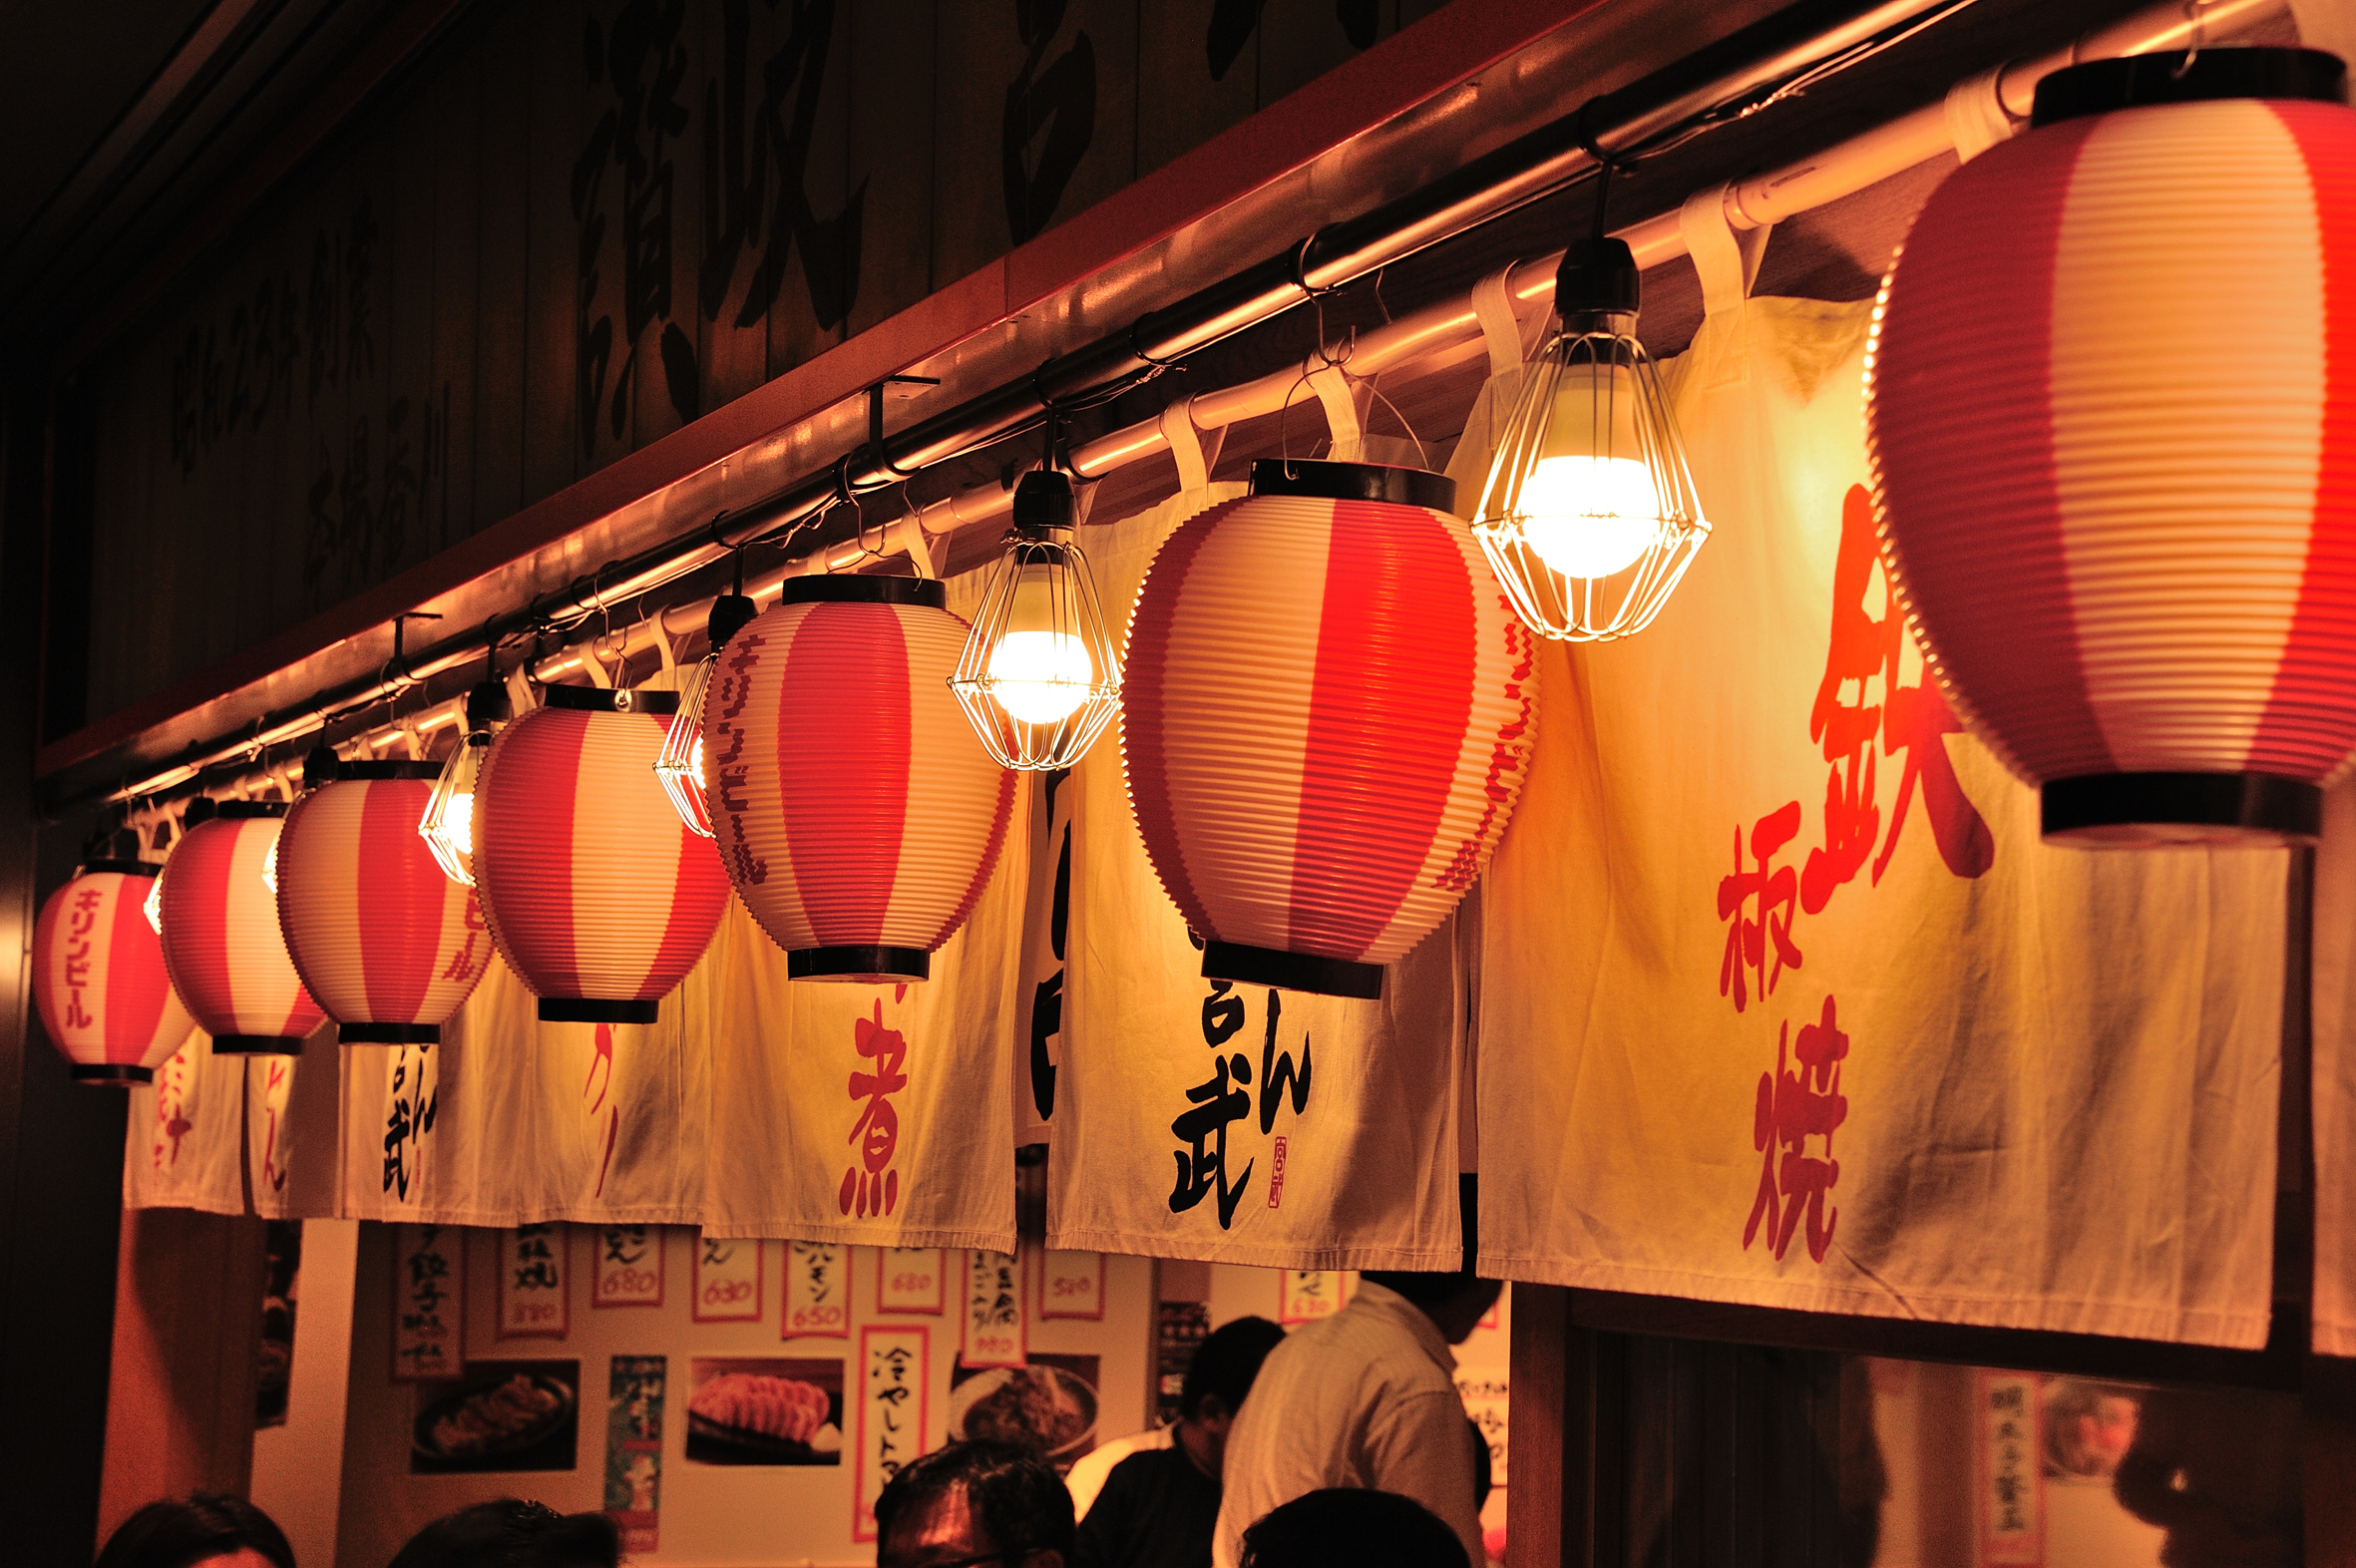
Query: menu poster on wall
[[994, 1316], [1071, 1285], [1049, 1406], [428, 1304], [1306, 1294], [1485, 1396], [728, 1277], [532, 1300], [913, 1279], [2011, 1469], [895, 1374], [1180, 1329], [817, 1291], [629, 1267], [504, 1416], [633, 1448], [765, 1409]]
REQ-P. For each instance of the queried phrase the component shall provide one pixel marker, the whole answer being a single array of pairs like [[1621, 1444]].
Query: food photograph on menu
[[1047, 1406], [502, 1416], [764, 1410]]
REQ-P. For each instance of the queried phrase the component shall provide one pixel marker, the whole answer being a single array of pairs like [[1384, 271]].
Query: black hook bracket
[[874, 418], [400, 664]]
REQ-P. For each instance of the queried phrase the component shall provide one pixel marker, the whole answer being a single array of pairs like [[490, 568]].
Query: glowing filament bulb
[[269, 868], [448, 826], [1590, 506], [153, 908], [1039, 674]]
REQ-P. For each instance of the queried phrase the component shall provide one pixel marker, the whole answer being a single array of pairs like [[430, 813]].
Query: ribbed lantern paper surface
[[386, 942], [601, 899], [221, 935], [98, 976], [1327, 705], [2112, 416], [858, 814]]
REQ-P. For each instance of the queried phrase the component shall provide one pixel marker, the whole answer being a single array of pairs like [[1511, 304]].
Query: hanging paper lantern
[[388, 944], [858, 814], [1328, 701], [2112, 410], [99, 979], [220, 935], [600, 898]]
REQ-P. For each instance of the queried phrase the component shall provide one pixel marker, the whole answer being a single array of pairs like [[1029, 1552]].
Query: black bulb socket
[[731, 613], [485, 704], [1597, 277], [203, 809], [319, 766], [1045, 500]]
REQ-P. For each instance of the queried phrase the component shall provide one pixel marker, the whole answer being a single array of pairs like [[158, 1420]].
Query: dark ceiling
[[126, 119]]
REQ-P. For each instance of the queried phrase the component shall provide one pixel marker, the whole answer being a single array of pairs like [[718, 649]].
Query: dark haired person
[[209, 1530], [972, 1503], [1365, 1398], [1160, 1507], [1349, 1527], [512, 1533]]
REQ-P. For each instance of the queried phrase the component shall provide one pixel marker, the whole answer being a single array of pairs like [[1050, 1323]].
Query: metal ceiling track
[[1738, 75]]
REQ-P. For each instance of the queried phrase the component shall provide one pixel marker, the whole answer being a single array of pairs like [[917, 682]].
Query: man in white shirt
[[1367, 1398]]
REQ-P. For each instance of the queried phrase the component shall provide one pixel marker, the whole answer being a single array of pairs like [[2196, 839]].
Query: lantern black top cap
[[1598, 277], [731, 613], [599, 699], [2143, 81], [1407, 487], [387, 769], [848, 587], [247, 810], [1045, 500]]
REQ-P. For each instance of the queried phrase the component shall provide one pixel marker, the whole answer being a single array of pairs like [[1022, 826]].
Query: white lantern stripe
[[99, 980]]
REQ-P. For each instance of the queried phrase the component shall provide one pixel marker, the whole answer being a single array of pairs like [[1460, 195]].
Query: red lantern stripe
[[846, 678], [139, 994], [220, 934], [2310, 689], [528, 860], [1373, 798], [378, 933], [2008, 224]]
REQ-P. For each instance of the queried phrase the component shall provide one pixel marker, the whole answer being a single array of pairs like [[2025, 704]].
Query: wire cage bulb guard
[[448, 826], [1589, 514], [1038, 678], [681, 767]]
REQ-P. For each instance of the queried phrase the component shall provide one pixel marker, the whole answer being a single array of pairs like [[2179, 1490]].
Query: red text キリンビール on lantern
[[601, 899], [389, 946], [99, 979], [2112, 416], [221, 943], [1329, 703], [858, 814]]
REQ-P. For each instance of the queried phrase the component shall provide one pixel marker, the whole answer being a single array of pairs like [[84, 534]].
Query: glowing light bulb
[[1589, 517], [269, 866], [1041, 676], [153, 908], [448, 826]]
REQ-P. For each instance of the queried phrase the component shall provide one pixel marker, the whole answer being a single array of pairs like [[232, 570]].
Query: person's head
[[2089, 1427], [208, 1529], [1457, 1301], [1221, 1374], [972, 1503], [512, 1533], [1349, 1527]]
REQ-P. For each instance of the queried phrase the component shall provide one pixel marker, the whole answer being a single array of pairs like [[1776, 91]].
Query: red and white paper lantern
[[601, 899], [1329, 703], [388, 944], [2112, 415], [99, 980], [220, 935], [859, 817]]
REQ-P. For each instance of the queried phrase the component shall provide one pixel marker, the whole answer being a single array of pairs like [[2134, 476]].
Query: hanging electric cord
[[1711, 87]]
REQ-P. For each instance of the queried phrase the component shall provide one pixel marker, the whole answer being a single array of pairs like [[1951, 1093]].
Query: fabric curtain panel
[[1203, 1119], [1783, 1002]]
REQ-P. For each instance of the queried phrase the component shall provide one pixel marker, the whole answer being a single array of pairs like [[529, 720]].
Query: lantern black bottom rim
[[854, 966], [592, 1010], [1248, 965], [2158, 810], [389, 1035], [114, 1075], [257, 1044]]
